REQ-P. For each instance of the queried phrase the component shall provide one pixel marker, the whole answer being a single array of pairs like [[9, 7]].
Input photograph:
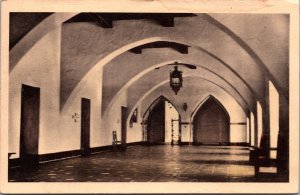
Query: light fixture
[[75, 116], [176, 80], [184, 106]]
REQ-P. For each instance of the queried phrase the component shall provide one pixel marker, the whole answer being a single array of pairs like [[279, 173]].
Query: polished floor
[[162, 163]]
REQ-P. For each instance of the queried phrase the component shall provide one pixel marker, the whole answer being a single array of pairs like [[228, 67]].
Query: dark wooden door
[[156, 124], [123, 126], [211, 123], [85, 125], [29, 130]]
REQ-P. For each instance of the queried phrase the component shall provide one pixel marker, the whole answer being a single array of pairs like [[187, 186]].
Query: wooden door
[[123, 126], [85, 126], [211, 124], [29, 130], [156, 124]]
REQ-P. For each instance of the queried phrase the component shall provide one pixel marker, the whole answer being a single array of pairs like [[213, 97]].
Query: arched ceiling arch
[[154, 103], [164, 74], [199, 92], [156, 76], [95, 45], [273, 32], [188, 92], [209, 97], [36, 34], [206, 33]]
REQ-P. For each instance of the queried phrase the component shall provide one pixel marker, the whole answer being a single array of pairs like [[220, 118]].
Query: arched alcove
[[211, 123]]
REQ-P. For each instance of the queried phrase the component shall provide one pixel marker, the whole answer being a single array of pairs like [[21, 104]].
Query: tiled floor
[[162, 163]]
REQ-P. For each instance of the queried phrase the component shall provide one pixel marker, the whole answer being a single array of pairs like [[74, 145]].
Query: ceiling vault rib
[[227, 83], [101, 20], [248, 49], [231, 69], [246, 110], [234, 37], [222, 78], [154, 103]]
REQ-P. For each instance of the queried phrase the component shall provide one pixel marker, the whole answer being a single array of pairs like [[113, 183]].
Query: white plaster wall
[[186, 135], [92, 90], [171, 113], [135, 133], [238, 133], [259, 113], [112, 121], [194, 93], [39, 68], [248, 130], [252, 121]]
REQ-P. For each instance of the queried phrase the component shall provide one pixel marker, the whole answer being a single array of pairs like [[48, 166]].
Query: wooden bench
[[258, 158]]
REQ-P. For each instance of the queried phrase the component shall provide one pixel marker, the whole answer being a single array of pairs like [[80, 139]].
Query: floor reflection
[[162, 163]]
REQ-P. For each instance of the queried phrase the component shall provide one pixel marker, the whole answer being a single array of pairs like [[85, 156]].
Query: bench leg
[[256, 170]]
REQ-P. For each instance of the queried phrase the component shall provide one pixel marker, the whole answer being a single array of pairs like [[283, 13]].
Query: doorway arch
[[156, 127], [211, 123]]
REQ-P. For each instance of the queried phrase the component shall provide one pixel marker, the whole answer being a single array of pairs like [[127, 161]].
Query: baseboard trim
[[58, 155], [135, 143], [155, 143], [185, 143], [215, 144], [75, 153], [72, 153], [239, 144]]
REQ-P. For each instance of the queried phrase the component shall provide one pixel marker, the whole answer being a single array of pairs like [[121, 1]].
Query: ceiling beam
[[105, 20], [101, 20], [181, 48], [167, 21]]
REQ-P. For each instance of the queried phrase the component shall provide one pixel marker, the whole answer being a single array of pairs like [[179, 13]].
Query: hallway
[[161, 163], [193, 97]]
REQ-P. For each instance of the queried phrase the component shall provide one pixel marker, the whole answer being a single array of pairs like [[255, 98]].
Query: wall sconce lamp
[[75, 116], [169, 105], [184, 106]]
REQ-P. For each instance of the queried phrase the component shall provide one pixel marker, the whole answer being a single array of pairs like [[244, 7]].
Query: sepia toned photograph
[[149, 100]]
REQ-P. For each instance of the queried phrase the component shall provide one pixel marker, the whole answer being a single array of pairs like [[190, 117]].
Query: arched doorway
[[161, 123], [211, 124]]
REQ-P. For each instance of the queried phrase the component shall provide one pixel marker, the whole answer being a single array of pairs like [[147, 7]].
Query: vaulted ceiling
[[235, 52]]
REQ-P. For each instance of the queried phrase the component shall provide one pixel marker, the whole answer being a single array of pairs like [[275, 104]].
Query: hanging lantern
[[176, 80]]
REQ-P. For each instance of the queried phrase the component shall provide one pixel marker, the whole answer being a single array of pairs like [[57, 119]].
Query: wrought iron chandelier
[[176, 79]]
